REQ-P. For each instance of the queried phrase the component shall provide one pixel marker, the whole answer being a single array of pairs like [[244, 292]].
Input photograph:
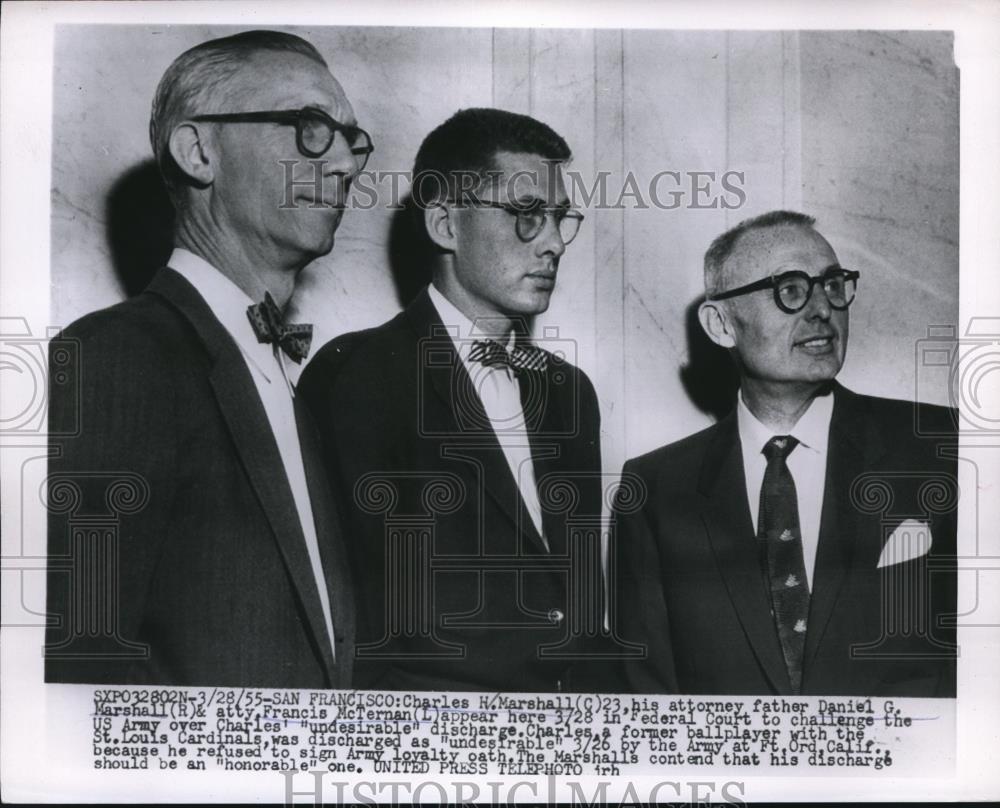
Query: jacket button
[[556, 616]]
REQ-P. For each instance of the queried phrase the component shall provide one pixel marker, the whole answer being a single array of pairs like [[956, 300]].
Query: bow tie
[[492, 354], [270, 327]]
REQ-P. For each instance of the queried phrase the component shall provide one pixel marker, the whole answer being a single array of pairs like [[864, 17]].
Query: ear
[[715, 323], [189, 151], [439, 221]]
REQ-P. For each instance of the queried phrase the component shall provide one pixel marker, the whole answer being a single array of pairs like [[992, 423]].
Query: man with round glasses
[[230, 568], [459, 444], [794, 547]]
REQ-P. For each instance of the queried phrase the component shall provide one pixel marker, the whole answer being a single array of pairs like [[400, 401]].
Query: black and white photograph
[[597, 405]]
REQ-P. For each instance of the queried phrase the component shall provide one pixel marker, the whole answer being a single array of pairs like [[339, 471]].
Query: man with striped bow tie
[[454, 439]]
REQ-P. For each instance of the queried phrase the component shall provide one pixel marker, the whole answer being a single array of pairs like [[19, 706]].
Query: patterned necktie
[[778, 531], [491, 353], [269, 326]]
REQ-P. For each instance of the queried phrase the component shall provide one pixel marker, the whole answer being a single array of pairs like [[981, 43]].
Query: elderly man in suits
[[226, 564], [804, 544], [456, 443]]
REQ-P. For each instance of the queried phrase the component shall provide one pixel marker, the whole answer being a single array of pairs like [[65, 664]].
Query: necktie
[[778, 531], [270, 327], [491, 353]]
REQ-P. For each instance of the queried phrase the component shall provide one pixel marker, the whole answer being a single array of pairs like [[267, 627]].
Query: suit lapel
[[253, 437], [727, 520], [330, 535], [467, 424], [855, 446], [544, 421]]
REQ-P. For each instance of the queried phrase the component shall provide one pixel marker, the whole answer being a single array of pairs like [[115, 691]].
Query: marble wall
[[880, 172], [857, 129]]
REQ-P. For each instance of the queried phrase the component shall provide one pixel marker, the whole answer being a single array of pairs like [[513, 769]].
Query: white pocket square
[[910, 540]]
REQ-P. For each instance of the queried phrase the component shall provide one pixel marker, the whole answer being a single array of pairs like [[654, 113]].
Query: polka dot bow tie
[[491, 353], [270, 327]]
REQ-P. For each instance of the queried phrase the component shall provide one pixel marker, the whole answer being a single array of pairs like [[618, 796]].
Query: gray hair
[[722, 247], [197, 80]]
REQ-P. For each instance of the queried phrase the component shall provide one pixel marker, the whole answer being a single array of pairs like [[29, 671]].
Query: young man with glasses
[[462, 448], [795, 547], [227, 567]]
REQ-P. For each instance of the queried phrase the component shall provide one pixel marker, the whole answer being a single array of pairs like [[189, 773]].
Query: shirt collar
[[461, 329], [811, 431], [229, 304]]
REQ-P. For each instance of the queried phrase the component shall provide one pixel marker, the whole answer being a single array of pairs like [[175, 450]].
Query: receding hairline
[[742, 248], [764, 232], [253, 79], [725, 246]]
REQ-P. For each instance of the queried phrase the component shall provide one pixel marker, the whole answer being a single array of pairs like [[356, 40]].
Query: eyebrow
[[351, 120], [777, 273], [531, 199]]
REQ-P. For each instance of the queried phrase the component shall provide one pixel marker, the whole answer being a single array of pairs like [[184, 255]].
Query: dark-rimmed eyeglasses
[[530, 218], [314, 130], [793, 289]]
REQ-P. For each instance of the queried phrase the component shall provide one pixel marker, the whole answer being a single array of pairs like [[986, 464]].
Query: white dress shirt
[[266, 364], [500, 393], [807, 464]]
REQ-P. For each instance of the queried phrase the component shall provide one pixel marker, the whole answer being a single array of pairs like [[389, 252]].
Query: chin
[[822, 375], [319, 246], [537, 304], [319, 233], [524, 308]]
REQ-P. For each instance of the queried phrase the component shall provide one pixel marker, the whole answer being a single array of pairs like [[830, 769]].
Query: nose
[[550, 241], [819, 304], [339, 159]]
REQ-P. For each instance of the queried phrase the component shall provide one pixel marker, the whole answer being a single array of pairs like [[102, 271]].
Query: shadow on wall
[[709, 377], [140, 221], [411, 252], [140, 226]]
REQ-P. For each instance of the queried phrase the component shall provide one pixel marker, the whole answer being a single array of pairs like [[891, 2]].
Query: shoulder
[[122, 369], [563, 373], [665, 479], [141, 329], [683, 457], [898, 419], [363, 353]]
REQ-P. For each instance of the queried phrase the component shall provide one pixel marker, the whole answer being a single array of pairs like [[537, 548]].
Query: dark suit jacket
[[690, 585], [176, 555], [421, 472]]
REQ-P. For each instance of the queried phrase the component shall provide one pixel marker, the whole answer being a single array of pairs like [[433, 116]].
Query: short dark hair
[[467, 144], [197, 80], [722, 247]]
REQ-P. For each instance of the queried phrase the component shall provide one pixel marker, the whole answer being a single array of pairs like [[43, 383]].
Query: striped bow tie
[[270, 327], [524, 357]]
